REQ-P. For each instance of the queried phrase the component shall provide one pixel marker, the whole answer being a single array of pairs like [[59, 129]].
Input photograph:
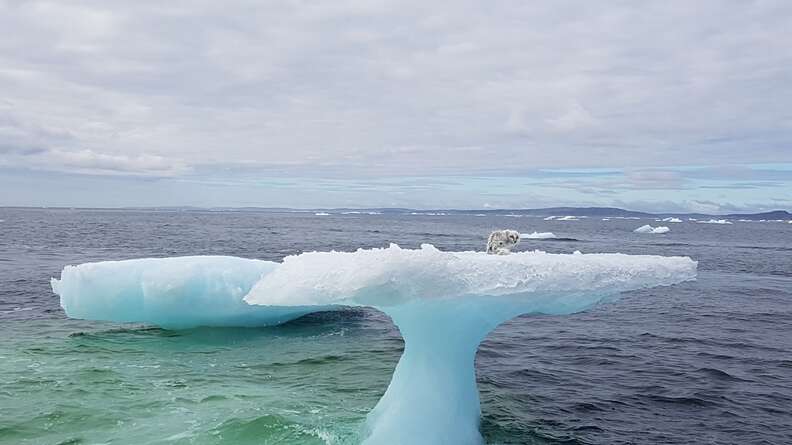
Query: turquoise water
[[309, 382]]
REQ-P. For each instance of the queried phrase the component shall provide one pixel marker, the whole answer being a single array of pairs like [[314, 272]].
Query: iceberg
[[649, 229], [174, 293], [538, 235], [671, 219], [444, 304], [715, 221]]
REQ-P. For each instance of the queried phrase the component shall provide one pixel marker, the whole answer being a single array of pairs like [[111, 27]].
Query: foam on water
[[444, 303]]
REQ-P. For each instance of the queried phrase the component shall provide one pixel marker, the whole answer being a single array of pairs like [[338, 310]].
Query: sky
[[652, 105]]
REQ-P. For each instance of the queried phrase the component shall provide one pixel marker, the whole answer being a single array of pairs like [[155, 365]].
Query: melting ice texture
[[444, 304]]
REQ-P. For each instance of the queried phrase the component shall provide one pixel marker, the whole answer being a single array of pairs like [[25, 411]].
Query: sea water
[[706, 361]]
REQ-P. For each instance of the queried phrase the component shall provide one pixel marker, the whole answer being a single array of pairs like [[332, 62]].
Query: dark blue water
[[704, 362]]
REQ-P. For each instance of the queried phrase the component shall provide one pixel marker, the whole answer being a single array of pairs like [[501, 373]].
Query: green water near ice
[[308, 382]]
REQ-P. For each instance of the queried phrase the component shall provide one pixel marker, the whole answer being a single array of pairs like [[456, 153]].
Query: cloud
[[97, 163], [364, 89]]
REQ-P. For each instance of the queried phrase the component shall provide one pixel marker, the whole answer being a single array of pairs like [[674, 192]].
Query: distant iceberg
[[322, 214], [671, 219], [564, 218], [444, 304], [649, 229], [538, 235], [715, 221]]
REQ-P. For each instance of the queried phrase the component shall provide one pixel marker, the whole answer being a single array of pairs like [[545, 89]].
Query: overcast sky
[[652, 105]]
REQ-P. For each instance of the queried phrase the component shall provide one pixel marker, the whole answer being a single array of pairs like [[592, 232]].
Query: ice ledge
[[444, 303]]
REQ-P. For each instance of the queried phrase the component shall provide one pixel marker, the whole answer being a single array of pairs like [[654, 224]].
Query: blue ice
[[444, 303]]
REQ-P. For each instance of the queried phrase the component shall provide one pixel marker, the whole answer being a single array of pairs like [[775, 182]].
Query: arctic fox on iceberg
[[501, 242]]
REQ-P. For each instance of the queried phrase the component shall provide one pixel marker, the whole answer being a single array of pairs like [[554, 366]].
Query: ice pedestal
[[444, 303]]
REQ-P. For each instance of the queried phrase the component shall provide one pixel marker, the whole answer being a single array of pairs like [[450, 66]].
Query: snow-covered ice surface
[[444, 304], [649, 229], [538, 235]]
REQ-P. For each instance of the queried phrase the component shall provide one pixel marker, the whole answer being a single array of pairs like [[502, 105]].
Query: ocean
[[703, 362]]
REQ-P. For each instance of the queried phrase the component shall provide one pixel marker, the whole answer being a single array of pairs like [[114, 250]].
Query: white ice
[[649, 229], [715, 221], [538, 235], [444, 304], [671, 219]]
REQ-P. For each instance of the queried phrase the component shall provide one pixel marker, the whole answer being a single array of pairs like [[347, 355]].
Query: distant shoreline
[[549, 211]]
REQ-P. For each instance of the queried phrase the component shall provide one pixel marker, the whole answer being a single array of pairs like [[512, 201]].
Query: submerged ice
[[444, 303]]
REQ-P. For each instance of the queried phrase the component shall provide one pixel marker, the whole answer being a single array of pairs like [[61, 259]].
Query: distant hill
[[547, 211], [775, 214], [563, 211]]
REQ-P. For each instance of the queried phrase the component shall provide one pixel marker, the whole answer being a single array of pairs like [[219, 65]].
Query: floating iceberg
[[444, 304], [671, 219], [715, 221], [538, 235], [322, 214], [175, 293], [649, 229]]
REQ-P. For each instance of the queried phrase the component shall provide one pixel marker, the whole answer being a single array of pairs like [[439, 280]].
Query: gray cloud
[[393, 88]]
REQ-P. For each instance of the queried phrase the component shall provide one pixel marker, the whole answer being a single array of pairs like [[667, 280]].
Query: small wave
[[670, 244], [312, 361], [681, 400], [143, 330], [270, 428], [719, 374]]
